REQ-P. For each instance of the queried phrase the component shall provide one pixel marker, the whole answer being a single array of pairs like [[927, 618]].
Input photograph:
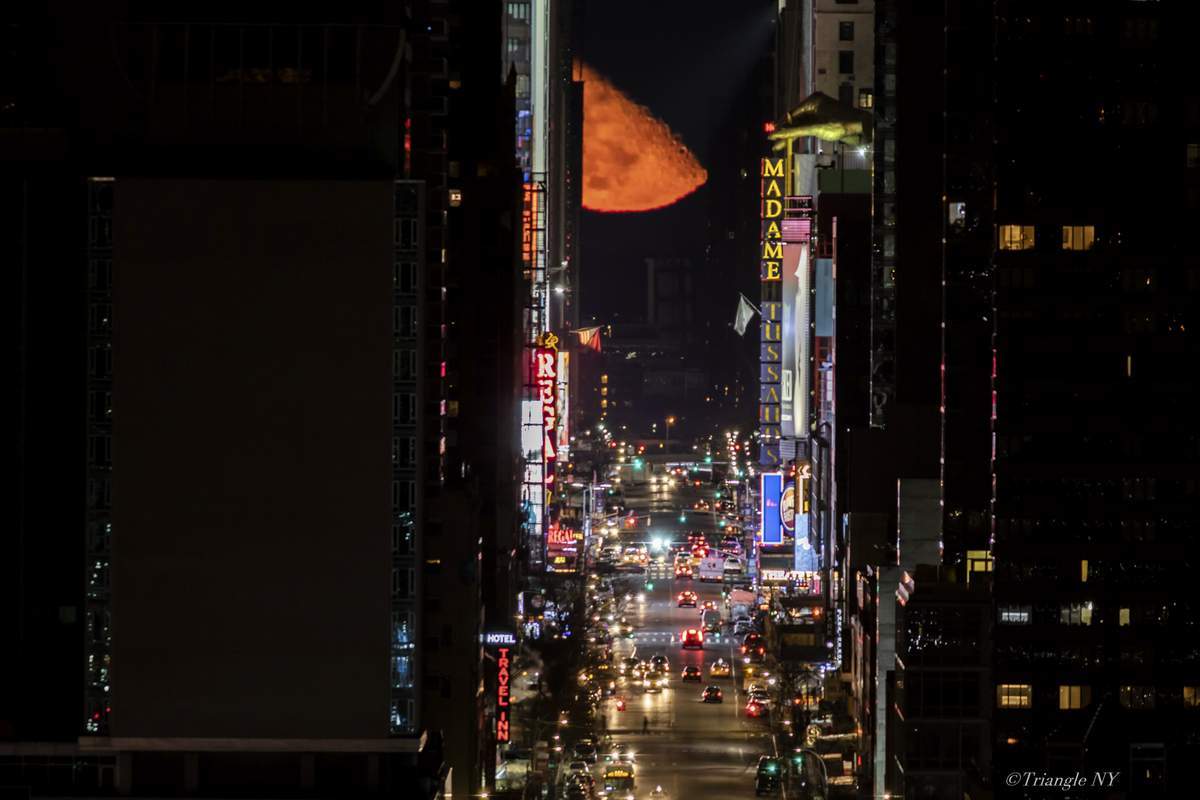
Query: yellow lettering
[[772, 209], [772, 395], [772, 331], [772, 372], [772, 250], [772, 352], [772, 167], [773, 231], [772, 310], [773, 189], [771, 271]]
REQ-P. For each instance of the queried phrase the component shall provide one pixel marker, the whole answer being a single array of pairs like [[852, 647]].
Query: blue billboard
[[770, 529]]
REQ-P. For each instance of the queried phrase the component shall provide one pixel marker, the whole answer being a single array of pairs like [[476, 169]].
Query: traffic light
[[649, 586], [708, 459]]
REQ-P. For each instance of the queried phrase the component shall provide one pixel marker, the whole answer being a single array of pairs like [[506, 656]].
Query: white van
[[712, 568]]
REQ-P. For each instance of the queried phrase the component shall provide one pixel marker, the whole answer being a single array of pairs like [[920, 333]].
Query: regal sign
[[545, 377]]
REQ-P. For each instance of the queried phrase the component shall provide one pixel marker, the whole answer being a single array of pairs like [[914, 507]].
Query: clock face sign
[[787, 508]]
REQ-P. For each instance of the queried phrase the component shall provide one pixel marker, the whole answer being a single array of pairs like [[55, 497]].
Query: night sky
[[687, 61]]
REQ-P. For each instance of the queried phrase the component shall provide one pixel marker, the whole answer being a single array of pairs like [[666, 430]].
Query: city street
[[691, 748]]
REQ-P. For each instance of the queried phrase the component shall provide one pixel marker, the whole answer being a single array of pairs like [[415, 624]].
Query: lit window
[[455, 198], [603, 379], [1016, 237], [1191, 696], [956, 214], [1014, 695], [1137, 697], [1083, 571], [1076, 614], [1073, 698], [1015, 615], [1078, 237], [866, 98], [1123, 617]]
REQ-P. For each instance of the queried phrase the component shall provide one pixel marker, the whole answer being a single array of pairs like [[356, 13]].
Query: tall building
[[1095, 470], [252, 566]]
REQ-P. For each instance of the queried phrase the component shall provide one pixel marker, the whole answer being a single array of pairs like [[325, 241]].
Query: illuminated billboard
[[563, 546], [770, 388], [770, 528], [796, 373], [564, 408], [545, 377], [503, 732]]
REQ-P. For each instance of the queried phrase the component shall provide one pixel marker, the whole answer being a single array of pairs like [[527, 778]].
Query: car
[[712, 694], [578, 766], [754, 687], [619, 754], [660, 663], [710, 605], [755, 709], [766, 779], [683, 572], [733, 564], [692, 638], [720, 669], [686, 599], [751, 640], [655, 682], [690, 673], [755, 655], [628, 665], [580, 787], [742, 625], [760, 696]]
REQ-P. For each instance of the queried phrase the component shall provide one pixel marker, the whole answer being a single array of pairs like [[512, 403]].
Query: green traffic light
[[708, 459]]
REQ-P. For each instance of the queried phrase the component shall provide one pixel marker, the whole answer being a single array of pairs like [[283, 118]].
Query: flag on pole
[[589, 337], [745, 312]]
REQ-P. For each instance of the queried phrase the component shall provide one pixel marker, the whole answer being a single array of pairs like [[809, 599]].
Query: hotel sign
[[502, 694], [773, 178]]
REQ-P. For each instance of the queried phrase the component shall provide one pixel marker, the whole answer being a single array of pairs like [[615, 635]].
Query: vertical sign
[[545, 376], [564, 410], [771, 494], [502, 695], [771, 330]]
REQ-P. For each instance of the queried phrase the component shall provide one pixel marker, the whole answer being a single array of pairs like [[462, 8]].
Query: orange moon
[[631, 160]]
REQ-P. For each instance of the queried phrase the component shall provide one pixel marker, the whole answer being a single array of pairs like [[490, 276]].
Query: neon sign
[[545, 377], [772, 173], [502, 732]]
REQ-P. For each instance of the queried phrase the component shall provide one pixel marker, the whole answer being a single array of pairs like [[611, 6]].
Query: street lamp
[[670, 422]]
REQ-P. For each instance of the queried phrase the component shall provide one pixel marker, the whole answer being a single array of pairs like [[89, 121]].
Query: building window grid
[[98, 698], [406, 287]]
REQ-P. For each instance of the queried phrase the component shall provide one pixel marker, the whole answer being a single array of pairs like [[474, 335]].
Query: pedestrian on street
[[645, 724]]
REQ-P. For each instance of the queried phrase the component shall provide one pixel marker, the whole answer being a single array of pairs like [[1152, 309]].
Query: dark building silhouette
[[267, 281]]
